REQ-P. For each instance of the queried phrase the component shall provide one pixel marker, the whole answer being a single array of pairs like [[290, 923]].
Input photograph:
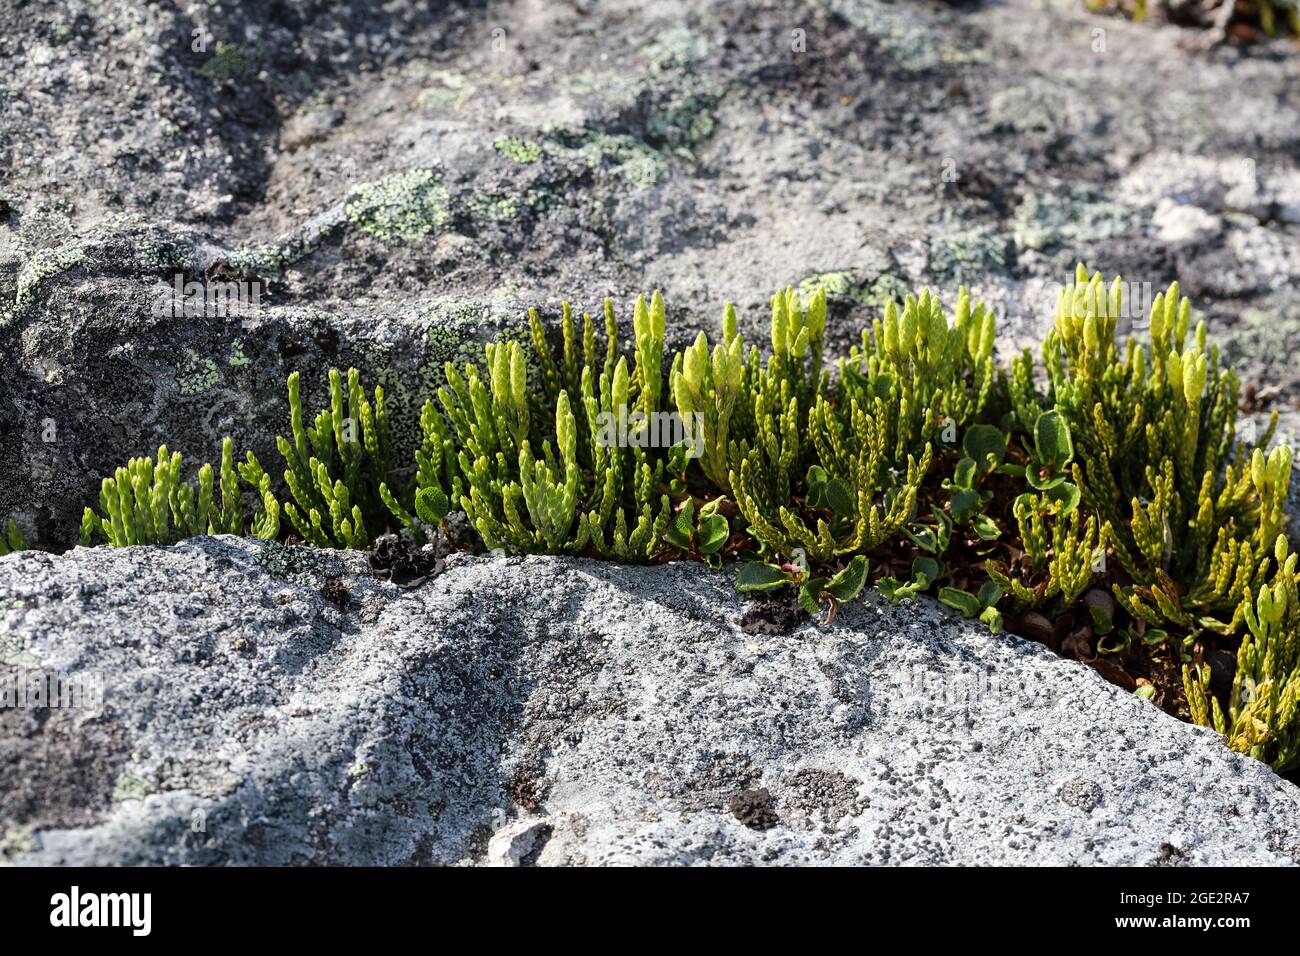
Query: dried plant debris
[[394, 559]]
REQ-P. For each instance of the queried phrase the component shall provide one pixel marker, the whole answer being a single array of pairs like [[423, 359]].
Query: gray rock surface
[[405, 178], [552, 711]]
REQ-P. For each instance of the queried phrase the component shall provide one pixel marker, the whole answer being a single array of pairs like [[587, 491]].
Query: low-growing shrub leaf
[[713, 534], [848, 583], [758, 576], [986, 445], [1052, 440], [963, 601], [840, 497]]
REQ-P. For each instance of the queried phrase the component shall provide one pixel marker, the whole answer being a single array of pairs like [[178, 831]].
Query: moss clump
[[405, 206]]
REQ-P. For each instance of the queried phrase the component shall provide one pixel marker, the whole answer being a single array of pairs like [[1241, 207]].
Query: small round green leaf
[[986, 445], [925, 571], [990, 593], [1052, 440], [713, 534], [985, 527], [1065, 493], [432, 505], [810, 596], [840, 498], [963, 601], [964, 504], [849, 582], [758, 576]]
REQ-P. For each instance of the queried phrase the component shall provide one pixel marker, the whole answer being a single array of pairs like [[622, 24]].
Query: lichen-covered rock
[[274, 705], [111, 368]]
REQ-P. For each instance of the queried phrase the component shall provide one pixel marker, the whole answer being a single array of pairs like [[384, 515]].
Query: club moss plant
[[1095, 496], [148, 502]]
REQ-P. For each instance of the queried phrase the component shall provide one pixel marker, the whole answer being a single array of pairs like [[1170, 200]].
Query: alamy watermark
[[1134, 303], [213, 300], [921, 685], [130, 910], [29, 688]]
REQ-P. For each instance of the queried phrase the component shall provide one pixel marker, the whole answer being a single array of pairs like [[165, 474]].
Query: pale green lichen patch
[[683, 100], [237, 357], [520, 150], [499, 207], [961, 256], [164, 254], [264, 259], [832, 283], [44, 265], [912, 43], [14, 651], [1039, 107], [197, 374], [1070, 216], [447, 94], [129, 786], [1263, 346], [885, 289], [270, 259], [295, 563], [494, 206], [542, 200], [622, 155], [16, 843], [452, 339], [670, 105], [877, 292], [405, 206]]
